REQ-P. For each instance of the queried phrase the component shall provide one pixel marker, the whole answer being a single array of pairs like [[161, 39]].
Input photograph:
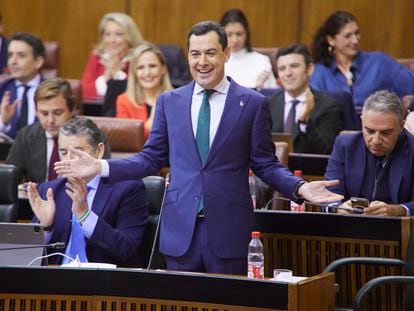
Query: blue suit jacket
[[243, 140], [347, 163], [122, 209], [10, 85]]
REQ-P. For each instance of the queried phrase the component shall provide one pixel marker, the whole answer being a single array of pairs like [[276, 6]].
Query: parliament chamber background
[[385, 25]]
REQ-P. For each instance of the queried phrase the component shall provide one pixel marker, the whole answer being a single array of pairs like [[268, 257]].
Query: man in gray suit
[[313, 118], [33, 148]]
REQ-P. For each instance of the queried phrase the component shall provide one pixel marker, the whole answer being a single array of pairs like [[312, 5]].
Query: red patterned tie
[[54, 157]]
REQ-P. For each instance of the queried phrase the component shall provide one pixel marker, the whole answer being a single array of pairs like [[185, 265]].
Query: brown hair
[[53, 87]]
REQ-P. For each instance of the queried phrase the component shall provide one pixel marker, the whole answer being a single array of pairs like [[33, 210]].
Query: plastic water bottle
[[253, 188], [255, 258]]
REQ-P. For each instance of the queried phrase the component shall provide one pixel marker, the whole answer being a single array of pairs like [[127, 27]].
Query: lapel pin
[[241, 104]]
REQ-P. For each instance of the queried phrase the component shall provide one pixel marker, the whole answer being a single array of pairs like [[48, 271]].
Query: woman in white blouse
[[248, 68]]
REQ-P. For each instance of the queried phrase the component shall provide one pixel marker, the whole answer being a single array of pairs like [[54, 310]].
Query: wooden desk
[[307, 242], [50, 288]]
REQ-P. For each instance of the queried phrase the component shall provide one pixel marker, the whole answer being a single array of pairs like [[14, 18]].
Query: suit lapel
[[101, 196], [397, 171], [233, 108], [63, 217], [38, 148], [183, 102], [357, 165], [280, 112]]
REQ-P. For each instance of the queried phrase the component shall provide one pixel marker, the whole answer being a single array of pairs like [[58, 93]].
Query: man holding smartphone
[[377, 164]]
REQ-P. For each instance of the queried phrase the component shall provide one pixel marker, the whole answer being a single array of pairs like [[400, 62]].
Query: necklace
[[349, 76]]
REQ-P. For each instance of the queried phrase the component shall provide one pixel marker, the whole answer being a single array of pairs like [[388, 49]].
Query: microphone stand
[[167, 183], [56, 245]]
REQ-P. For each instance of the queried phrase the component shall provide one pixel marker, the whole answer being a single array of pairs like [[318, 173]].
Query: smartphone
[[359, 202]]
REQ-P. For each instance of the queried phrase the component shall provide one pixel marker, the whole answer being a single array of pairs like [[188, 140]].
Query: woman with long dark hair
[[248, 68], [341, 66]]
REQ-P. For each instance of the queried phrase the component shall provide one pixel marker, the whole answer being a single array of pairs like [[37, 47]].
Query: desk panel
[[307, 242], [128, 289]]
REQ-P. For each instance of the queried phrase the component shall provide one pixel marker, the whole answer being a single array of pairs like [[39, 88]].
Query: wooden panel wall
[[385, 25]]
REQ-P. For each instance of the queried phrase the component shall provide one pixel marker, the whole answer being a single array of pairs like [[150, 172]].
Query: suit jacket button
[[203, 171]]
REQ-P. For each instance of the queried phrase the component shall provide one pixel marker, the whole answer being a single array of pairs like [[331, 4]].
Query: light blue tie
[[77, 240], [203, 133]]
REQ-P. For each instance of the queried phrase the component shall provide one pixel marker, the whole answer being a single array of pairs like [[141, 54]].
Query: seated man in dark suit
[[26, 54], [313, 118], [377, 164], [35, 149], [99, 221]]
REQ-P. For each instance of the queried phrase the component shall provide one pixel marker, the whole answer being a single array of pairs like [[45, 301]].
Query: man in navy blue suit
[[377, 164], [98, 220], [210, 132], [26, 54]]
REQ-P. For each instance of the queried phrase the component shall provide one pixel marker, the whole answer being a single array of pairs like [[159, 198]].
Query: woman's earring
[[330, 49]]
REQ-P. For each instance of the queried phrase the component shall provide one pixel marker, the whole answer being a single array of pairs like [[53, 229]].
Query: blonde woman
[[147, 78], [119, 36]]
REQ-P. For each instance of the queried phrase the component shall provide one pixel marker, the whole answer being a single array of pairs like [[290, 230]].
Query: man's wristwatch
[[296, 194], [49, 228]]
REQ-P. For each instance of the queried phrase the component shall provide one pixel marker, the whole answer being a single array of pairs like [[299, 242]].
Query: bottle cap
[[297, 173], [255, 234]]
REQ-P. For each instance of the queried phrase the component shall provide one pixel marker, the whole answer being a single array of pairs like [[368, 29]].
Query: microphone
[[57, 245], [335, 206], [154, 243]]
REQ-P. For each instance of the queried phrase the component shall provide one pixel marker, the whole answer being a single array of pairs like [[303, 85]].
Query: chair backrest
[[282, 152], [8, 193], [350, 118], [125, 136], [50, 68], [176, 63], [155, 186], [271, 53], [75, 85], [283, 137]]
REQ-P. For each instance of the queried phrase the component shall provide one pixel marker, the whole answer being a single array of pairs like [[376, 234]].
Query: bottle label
[[255, 271]]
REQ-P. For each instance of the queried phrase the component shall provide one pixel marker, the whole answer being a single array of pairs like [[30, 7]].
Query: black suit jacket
[[323, 125], [28, 153]]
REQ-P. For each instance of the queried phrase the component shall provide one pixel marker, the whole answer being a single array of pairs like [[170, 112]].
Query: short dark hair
[[331, 27], [38, 48], [53, 87], [295, 49], [206, 26], [82, 126], [237, 16]]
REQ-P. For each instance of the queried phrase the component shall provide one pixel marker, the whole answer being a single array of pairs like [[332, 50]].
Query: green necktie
[[203, 134], [203, 126]]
